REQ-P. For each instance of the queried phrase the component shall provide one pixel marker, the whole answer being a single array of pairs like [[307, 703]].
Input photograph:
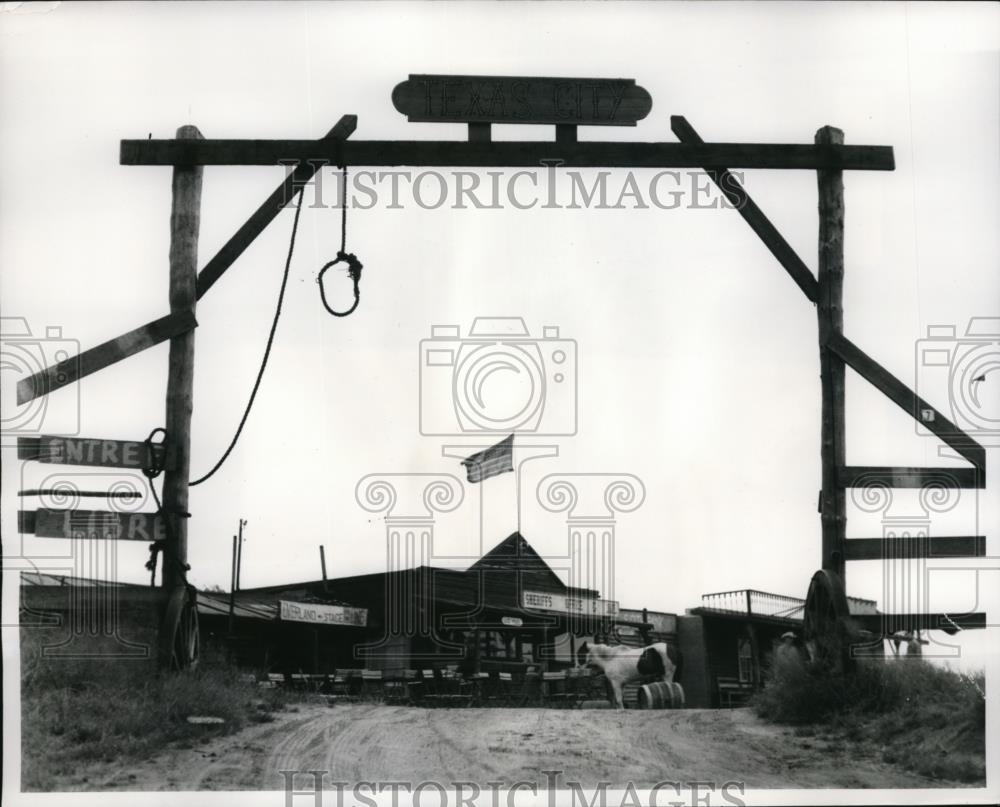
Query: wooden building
[[508, 611], [728, 642]]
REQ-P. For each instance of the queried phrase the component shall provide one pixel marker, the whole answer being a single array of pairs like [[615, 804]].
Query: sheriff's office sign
[[319, 614], [544, 601]]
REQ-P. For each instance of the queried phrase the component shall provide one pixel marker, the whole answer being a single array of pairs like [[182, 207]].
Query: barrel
[[661, 695]]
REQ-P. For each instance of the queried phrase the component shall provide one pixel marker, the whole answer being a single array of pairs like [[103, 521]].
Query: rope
[[152, 469], [267, 350], [354, 266]]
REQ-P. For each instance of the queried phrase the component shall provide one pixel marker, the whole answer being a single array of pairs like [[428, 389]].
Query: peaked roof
[[514, 553], [512, 548]]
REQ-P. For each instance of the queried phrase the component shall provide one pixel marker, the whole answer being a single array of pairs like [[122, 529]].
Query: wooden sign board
[[90, 451], [546, 601], [105, 524], [320, 614], [516, 99]]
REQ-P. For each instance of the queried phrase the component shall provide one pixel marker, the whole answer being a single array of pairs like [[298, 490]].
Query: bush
[[929, 719], [75, 711]]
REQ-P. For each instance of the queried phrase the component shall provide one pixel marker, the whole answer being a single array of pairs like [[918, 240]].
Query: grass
[[76, 711], [926, 718]]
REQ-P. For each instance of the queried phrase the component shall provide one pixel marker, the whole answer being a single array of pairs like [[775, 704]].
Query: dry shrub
[[928, 718]]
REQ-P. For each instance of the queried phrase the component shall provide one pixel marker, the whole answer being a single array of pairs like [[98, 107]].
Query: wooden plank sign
[[513, 99], [320, 614], [97, 358], [106, 524], [547, 601], [90, 451]]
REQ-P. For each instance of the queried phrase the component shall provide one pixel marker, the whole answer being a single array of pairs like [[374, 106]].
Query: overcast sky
[[696, 355]]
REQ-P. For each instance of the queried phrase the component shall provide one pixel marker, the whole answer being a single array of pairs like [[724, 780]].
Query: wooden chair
[[505, 688], [371, 685], [577, 685], [732, 691], [429, 688], [340, 687], [479, 684], [554, 689], [394, 687]]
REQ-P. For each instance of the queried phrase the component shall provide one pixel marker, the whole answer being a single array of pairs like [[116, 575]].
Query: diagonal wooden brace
[[267, 212], [97, 358], [752, 215], [911, 403]]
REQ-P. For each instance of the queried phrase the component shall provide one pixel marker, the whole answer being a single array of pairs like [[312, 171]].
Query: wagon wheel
[[827, 627], [180, 642]]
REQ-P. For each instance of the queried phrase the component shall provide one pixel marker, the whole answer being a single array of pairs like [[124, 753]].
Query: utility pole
[[185, 215], [232, 586], [322, 564], [239, 554], [830, 312]]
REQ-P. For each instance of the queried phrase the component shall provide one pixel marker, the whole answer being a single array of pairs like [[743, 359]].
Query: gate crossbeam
[[508, 154]]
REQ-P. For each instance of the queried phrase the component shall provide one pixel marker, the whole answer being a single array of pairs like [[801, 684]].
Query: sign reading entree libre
[[512, 99]]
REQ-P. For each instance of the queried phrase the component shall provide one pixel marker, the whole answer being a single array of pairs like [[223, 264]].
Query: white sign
[[544, 601], [320, 614], [512, 621]]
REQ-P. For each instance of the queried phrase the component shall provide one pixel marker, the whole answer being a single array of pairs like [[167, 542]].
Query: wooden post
[[830, 312], [232, 588], [185, 217], [239, 555]]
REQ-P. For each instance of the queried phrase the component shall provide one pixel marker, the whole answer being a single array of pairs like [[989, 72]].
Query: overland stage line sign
[[509, 99], [321, 614]]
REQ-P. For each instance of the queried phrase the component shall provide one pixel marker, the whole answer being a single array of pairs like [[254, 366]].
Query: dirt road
[[392, 743]]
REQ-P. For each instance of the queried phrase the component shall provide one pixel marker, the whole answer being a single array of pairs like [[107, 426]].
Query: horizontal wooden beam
[[97, 358], [507, 154], [890, 623], [91, 524], [69, 595], [907, 400], [936, 546], [853, 476], [269, 210], [752, 215]]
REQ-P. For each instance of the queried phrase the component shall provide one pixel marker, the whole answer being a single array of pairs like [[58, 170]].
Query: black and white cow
[[622, 665]]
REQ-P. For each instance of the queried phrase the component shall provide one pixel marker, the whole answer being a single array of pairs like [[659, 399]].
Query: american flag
[[492, 461]]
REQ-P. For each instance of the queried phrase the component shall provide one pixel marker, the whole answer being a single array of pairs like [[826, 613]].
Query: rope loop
[[354, 267], [152, 468]]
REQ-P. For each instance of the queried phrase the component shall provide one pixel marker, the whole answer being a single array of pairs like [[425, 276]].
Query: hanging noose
[[354, 266]]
